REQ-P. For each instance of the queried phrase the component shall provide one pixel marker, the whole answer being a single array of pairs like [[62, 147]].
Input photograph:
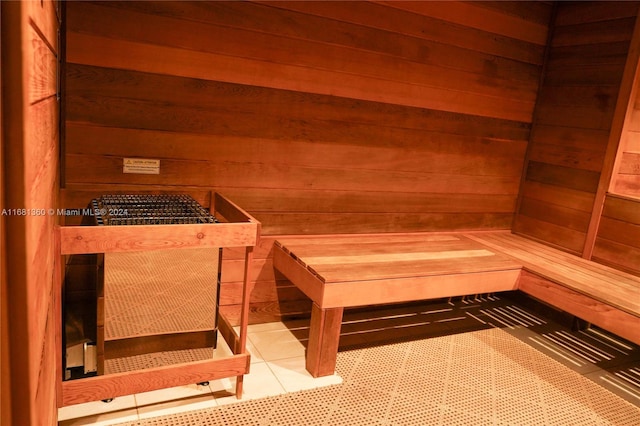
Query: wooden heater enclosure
[[131, 243], [153, 301]]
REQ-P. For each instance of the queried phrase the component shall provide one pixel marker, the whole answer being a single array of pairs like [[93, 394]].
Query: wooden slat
[[119, 384], [291, 25], [263, 141], [551, 194], [555, 214], [579, 275], [567, 177], [603, 315], [367, 271], [305, 280], [132, 346], [620, 231], [96, 239], [314, 223], [412, 257], [622, 208], [566, 239], [303, 53], [208, 66], [619, 256], [594, 32], [103, 170], [585, 12], [474, 16], [360, 293], [428, 28]]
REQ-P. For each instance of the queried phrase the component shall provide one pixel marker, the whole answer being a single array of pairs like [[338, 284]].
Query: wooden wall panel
[[574, 114], [308, 106], [316, 117], [5, 359], [31, 166], [626, 174], [618, 240]]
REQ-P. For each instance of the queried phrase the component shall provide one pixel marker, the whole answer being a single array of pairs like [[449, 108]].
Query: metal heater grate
[[149, 210]]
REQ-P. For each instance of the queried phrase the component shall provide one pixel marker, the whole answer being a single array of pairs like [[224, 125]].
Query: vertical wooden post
[[244, 315], [324, 336]]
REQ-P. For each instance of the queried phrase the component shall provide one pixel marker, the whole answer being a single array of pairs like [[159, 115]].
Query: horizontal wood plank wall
[[626, 178], [573, 118], [618, 240], [31, 122], [316, 117]]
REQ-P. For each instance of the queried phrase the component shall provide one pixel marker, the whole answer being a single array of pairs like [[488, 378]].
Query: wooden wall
[[316, 117], [618, 240], [573, 121], [626, 177], [31, 152]]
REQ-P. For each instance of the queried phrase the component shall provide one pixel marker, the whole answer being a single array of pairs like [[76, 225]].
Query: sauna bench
[[343, 271]]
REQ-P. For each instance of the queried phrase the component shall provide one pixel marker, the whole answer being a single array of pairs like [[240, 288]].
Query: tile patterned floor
[[490, 361], [277, 367]]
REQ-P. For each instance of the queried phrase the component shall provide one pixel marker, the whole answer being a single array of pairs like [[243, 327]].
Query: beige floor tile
[[260, 383], [190, 403], [256, 356], [293, 375], [106, 419], [119, 405], [280, 342], [171, 394]]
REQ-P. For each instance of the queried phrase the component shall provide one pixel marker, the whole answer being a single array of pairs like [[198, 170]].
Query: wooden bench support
[[324, 335], [584, 307]]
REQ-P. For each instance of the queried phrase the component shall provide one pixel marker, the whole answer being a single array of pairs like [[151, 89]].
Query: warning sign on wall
[[142, 166]]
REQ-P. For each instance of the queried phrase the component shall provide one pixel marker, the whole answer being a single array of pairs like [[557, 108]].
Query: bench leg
[[324, 335]]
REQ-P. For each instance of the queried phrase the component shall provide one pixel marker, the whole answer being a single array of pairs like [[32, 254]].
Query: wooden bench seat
[[596, 293], [347, 271], [339, 271]]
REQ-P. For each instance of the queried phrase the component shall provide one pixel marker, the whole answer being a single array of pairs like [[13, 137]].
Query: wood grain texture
[[309, 117], [87, 240], [618, 322], [575, 114], [344, 272], [605, 285], [5, 339], [30, 47], [618, 235], [119, 384], [625, 179], [324, 336]]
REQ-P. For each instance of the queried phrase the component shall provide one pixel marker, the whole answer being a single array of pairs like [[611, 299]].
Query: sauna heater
[[155, 307]]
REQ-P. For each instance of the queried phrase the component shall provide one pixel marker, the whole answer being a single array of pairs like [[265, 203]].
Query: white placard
[[142, 166]]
